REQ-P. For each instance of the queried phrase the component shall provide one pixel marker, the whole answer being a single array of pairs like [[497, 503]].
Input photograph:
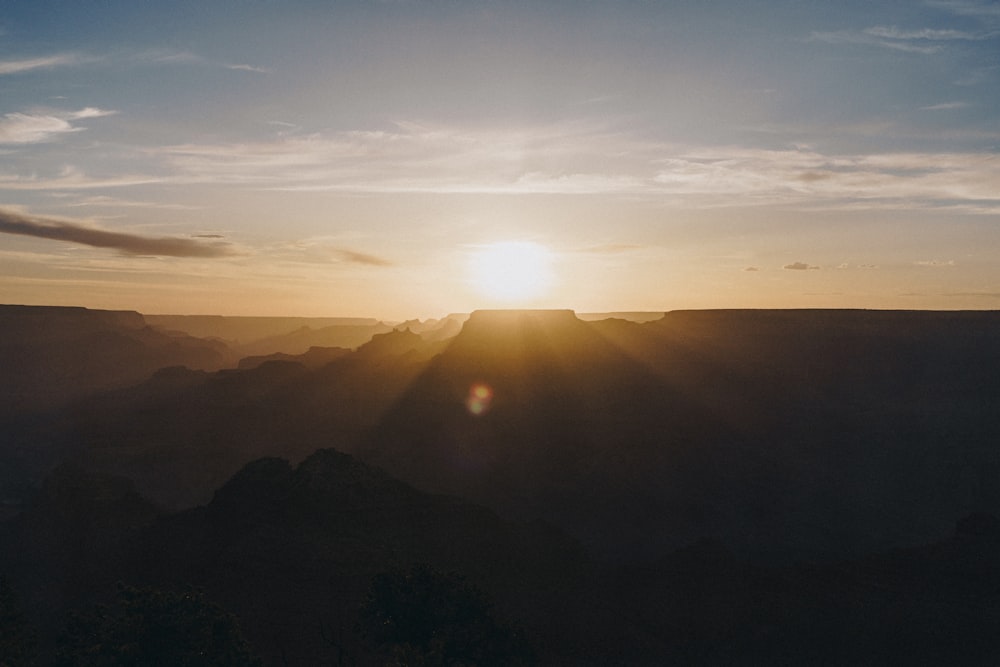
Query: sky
[[358, 158]]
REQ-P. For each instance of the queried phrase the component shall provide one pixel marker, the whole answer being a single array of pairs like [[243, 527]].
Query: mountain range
[[708, 487]]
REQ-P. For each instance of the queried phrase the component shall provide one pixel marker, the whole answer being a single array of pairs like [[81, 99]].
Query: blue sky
[[351, 158]]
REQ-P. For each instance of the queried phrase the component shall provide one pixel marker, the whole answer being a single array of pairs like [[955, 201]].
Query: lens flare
[[479, 399]]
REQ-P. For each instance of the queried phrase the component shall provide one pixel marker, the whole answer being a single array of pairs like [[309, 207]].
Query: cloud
[[945, 106], [935, 263], [813, 176], [71, 178], [867, 38], [106, 201], [799, 266], [921, 40], [361, 258], [249, 68], [751, 268], [23, 128], [323, 251], [168, 57], [581, 159], [926, 34], [13, 222], [988, 11], [43, 62]]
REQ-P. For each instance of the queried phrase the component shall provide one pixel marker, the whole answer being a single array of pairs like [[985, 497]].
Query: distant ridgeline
[[49, 355]]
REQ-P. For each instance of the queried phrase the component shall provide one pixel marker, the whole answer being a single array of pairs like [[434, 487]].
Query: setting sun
[[511, 270]]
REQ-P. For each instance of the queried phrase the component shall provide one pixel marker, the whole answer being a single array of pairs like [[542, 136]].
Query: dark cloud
[[207, 236], [813, 176], [362, 258], [751, 268], [799, 266], [129, 244]]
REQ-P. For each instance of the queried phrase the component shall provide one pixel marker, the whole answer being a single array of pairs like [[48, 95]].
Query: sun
[[511, 270]]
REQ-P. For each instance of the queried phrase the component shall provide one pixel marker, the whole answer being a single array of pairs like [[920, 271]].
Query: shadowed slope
[[780, 432], [575, 430]]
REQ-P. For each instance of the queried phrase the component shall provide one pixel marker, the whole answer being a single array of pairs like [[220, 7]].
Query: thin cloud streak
[[44, 62], [249, 68], [946, 106], [925, 41], [26, 128], [581, 161], [71, 178], [12, 222], [356, 257]]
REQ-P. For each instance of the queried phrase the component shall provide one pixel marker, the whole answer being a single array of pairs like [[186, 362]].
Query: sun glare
[[511, 270]]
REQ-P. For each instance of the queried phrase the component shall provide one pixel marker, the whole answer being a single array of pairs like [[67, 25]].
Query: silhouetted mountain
[[245, 330], [784, 434], [315, 357], [291, 551], [630, 315], [77, 535], [756, 480], [182, 433], [794, 432], [51, 355], [300, 340], [264, 336], [567, 416]]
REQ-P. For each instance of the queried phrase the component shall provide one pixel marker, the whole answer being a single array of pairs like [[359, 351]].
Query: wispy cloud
[[249, 68], [113, 202], [170, 57], [946, 106], [173, 57], [919, 40], [560, 159], [15, 222], [71, 178], [356, 257], [935, 263], [924, 34], [799, 266], [987, 11], [43, 62], [29, 128], [580, 160], [322, 251]]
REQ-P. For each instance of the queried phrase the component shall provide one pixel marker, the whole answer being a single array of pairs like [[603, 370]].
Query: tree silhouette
[[17, 637], [152, 628], [422, 617]]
